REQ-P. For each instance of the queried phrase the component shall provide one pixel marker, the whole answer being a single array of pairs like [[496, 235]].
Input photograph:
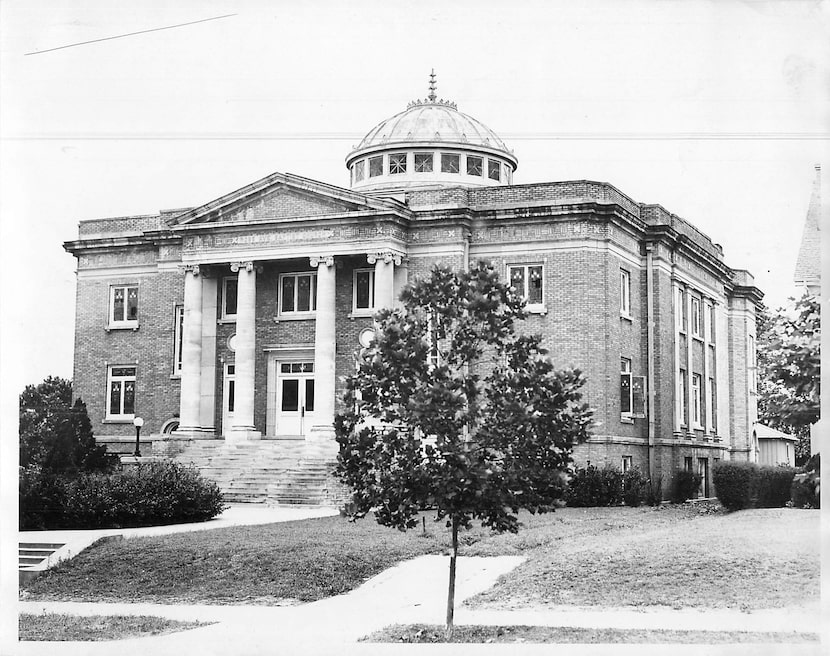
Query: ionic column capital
[[192, 268], [316, 260], [386, 256], [246, 265]]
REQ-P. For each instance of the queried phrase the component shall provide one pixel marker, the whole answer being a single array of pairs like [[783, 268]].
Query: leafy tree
[[450, 409], [789, 365], [55, 434]]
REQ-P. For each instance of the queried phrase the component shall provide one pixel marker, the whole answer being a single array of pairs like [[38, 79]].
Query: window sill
[[361, 314], [299, 316], [127, 325], [127, 419], [627, 317], [175, 376], [225, 320], [536, 309], [626, 419], [697, 338]]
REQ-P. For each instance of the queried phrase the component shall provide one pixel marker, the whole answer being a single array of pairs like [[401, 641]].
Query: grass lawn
[[57, 627], [672, 556], [423, 633]]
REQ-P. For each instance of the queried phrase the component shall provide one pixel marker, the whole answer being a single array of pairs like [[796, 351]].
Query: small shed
[[773, 447]]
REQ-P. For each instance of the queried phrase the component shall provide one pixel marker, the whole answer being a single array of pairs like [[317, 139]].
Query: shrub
[[590, 487], [42, 496], [805, 491], [733, 484], [634, 487], [654, 491], [771, 486], [157, 493], [686, 485]]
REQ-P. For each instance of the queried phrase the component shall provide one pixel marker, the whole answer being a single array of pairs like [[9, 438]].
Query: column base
[[236, 435]]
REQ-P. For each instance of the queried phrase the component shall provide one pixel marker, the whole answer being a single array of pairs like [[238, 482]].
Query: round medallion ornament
[[366, 337], [232, 342]]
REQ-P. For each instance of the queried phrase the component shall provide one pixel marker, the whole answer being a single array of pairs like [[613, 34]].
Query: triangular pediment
[[283, 196]]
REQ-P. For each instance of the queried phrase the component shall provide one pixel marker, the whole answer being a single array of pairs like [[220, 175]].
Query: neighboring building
[[228, 327], [773, 447], [808, 266]]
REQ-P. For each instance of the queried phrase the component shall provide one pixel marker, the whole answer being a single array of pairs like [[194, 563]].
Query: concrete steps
[[33, 557]]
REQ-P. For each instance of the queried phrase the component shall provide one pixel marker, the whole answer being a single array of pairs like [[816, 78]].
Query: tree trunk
[[451, 591]]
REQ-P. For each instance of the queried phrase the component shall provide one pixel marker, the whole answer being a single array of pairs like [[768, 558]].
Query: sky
[[718, 111]]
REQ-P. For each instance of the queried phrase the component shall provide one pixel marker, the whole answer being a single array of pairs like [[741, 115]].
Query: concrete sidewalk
[[414, 591], [75, 541]]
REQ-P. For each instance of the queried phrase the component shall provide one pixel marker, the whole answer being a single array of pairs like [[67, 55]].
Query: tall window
[[364, 289], [474, 165], [632, 392], [230, 287], [397, 163], [124, 305], [493, 169], [680, 310], [697, 405], [298, 293], [178, 338], [528, 281], [359, 170], [625, 386], [375, 166], [625, 293], [710, 311], [627, 463], [121, 397], [697, 318], [449, 163], [423, 162], [684, 395], [713, 404]]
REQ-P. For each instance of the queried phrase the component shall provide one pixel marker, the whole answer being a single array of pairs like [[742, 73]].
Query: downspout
[[650, 355]]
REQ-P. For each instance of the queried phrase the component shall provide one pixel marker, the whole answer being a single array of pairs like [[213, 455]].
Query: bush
[[686, 485], [805, 491], [591, 487], [151, 494], [654, 491], [771, 486], [42, 495], [733, 484], [635, 487]]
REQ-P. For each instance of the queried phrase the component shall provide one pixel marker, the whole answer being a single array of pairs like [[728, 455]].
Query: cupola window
[[375, 166], [493, 169], [423, 162], [359, 170], [449, 163], [397, 163], [474, 165]]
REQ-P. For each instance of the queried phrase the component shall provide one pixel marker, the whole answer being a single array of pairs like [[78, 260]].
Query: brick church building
[[228, 327]]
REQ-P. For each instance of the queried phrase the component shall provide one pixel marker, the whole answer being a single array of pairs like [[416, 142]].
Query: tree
[[55, 434], [450, 409], [789, 364]]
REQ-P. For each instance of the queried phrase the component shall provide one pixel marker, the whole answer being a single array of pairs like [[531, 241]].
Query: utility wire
[[121, 36]]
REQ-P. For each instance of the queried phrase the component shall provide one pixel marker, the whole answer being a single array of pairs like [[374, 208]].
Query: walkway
[[413, 591]]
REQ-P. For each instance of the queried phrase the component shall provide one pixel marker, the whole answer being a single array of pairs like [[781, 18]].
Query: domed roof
[[432, 120]]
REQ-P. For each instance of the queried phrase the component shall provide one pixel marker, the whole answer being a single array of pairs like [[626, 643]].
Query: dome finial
[[432, 86]]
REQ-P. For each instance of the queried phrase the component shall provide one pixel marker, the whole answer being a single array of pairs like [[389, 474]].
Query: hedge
[[686, 485], [746, 485], [150, 494]]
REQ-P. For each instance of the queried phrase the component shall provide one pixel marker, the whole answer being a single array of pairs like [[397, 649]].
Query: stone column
[[385, 264], [189, 419], [322, 431], [243, 415], [208, 383]]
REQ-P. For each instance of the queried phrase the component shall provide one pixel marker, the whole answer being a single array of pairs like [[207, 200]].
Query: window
[[375, 166], [507, 174], [493, 169], [449, 163], [710, 311], [434, 354], [359, 170], [627, 463], [474, 165], [364, 289], [697, 328], [753, 382], [632, 392], [397, 163], [528, 282], [687, 463], [625, 293], [697, 409], [178, 338], [229, 291], [298, 292], [684, 395], [680, 310], [121, 397], [423, 162], [713, 397], [124, 306]]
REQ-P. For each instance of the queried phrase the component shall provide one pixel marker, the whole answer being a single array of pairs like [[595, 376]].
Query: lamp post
[[138, 422]]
